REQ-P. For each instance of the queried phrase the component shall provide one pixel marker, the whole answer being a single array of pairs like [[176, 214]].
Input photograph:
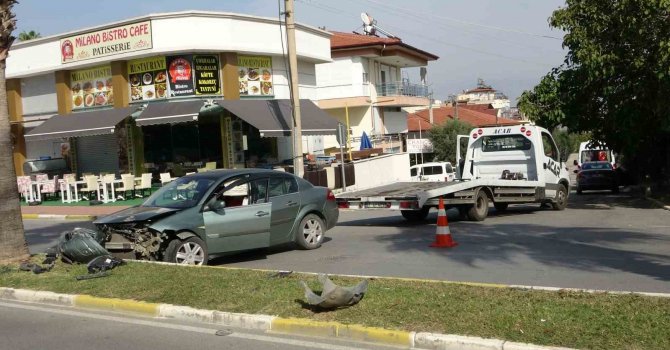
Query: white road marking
[[203, 330]]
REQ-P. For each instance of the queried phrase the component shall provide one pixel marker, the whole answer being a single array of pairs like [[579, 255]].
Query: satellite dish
[[367, 20]]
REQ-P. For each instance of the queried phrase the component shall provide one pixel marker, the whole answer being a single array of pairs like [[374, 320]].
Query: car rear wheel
[[191, 251], [480, 209], [415, 215], [310, 232]]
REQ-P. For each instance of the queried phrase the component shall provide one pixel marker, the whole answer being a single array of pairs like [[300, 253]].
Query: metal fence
[[402, 89]]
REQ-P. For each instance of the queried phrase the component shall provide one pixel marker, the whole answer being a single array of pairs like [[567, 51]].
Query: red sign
[[180, 69]]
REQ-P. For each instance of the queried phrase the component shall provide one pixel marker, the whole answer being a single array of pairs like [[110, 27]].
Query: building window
[[366, 78]]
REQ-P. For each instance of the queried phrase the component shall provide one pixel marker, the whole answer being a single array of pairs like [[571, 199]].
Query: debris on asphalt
[[334, 296]]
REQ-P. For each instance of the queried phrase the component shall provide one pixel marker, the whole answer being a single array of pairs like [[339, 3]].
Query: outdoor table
[[66, 190], [34, 193], [106, 198]]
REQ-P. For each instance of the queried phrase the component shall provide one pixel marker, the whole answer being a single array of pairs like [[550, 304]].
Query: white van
[[594, 154], [434, 171]]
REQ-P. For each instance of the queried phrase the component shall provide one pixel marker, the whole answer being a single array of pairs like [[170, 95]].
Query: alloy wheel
[[190, 253], [312, 231]]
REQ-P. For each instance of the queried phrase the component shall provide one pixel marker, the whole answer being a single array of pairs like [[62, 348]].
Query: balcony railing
[[402, 89]]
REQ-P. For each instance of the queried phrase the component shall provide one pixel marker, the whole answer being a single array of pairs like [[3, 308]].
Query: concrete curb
[[268, 323], [658, 203], [58, 217]]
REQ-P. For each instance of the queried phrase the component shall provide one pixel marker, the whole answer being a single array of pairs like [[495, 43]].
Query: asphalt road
[[33, 326], [602, 241]]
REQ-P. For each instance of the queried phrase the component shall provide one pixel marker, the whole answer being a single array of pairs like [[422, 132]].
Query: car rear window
[[432, 170], [498, 143], [597, 166]]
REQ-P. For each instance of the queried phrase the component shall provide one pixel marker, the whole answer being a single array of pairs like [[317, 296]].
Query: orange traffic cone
[[442, 234]]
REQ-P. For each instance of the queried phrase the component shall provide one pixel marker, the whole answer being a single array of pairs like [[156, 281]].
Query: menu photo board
[[180, 75], [92, 87], [147, 78], [206, 76], [255, 75]]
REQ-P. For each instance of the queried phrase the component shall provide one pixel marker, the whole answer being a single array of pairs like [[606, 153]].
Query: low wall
[[380, 170]]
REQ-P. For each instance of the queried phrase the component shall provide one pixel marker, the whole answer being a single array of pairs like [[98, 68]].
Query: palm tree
[[13, 245], [25, 36]]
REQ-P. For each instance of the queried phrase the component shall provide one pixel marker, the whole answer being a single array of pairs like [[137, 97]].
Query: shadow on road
[[582, 248], [605, 200]]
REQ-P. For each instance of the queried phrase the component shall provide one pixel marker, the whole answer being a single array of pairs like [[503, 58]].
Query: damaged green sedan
[[200, 216]]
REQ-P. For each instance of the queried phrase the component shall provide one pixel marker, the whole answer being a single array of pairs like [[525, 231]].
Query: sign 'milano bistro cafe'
[[123, 39]]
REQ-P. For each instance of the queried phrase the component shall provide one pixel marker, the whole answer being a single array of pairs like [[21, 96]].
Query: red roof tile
[[443, 114], [340, 40], [483, 108]]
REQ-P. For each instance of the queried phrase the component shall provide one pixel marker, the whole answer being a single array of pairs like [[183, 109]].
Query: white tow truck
[[502, 165]]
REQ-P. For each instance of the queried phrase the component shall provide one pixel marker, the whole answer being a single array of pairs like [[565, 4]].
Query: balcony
[[402, 89]]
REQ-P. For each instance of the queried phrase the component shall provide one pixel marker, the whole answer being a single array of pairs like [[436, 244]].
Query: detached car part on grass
[[209, 214], [334, 296]]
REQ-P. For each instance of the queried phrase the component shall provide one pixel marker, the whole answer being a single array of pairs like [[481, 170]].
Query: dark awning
[[170, 112], [274, 118], [89, 123]]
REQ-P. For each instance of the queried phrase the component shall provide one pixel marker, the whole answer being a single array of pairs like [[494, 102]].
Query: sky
[[508, 43]]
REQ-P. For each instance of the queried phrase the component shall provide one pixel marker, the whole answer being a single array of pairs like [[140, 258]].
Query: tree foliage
[[615, 78], [25, 36], [444, 138]]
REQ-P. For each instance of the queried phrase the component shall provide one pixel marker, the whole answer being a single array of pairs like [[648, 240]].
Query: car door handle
[[291, 204], [544, 165], [262, 213]]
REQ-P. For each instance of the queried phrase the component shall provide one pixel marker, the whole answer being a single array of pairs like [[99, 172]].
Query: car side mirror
[[575, 162], [216, 205]]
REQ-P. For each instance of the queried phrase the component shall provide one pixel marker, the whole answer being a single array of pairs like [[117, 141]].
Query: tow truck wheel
[[415, 215], [561, 200], [480, 209]]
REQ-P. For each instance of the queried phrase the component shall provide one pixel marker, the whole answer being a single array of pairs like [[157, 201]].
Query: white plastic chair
[[145, 184], [127, 185], [91, 185], [166, 178]]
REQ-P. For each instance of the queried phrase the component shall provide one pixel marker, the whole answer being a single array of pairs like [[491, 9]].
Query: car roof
[[220, 173], [430, 164]]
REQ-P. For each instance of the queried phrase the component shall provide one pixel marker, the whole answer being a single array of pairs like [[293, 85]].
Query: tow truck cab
[[518, 152]]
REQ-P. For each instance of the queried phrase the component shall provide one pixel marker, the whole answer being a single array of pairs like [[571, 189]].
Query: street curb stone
[[658, 203], [58, 217], [268, 323]]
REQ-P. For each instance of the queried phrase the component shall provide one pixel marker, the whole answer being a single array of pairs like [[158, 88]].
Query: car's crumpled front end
[[130, 232]]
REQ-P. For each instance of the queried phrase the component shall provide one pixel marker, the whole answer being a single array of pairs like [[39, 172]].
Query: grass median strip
[[571, 319]]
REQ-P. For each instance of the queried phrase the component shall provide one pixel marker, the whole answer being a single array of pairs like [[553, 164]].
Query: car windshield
[[179, 194], [597, 166]]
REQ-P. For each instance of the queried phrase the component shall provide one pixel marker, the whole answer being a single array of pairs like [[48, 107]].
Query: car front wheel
[[310, 232], [561, 200], [191, 251]]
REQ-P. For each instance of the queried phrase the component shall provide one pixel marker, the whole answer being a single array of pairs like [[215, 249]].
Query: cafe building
[[164, 92]]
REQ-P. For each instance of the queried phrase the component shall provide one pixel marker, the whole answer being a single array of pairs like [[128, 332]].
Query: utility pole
[[298, 168], [430, 108]]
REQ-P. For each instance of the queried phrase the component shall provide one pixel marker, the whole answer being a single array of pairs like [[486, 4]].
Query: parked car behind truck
[[203, 215], [433, 171]]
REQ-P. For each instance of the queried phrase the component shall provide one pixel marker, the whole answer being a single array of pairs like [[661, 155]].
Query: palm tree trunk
[[13, 244]]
